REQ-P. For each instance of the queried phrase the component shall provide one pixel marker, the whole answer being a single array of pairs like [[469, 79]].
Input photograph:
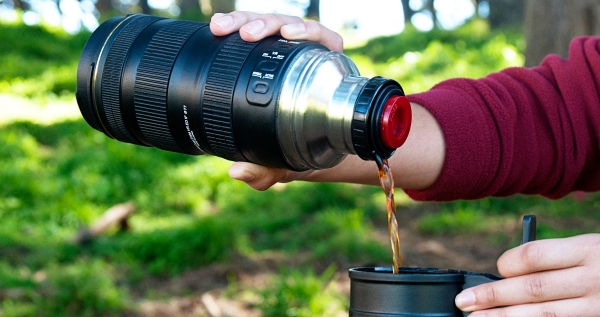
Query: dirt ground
[[202, 292]]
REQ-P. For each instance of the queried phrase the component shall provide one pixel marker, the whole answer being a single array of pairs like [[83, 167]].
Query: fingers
[[548, 254], [262, 177], [313, 31], [253, 27], [570, 307], [541, 272], [223, 24], [531, 288]]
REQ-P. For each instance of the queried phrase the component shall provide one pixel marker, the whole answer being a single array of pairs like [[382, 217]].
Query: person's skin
[[546, 278]]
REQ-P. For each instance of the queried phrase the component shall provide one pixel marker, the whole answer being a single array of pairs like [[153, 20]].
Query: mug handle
[[474, 279]]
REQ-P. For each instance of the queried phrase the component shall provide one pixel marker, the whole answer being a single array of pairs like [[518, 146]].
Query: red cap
[[395, 121]]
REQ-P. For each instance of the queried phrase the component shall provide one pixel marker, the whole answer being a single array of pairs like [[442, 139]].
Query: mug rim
[[406, 275]]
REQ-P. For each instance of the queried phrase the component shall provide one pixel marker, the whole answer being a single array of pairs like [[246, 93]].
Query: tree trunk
[[222, 6], [550, 25], [431, 7], [313, 10], [144, 6], [18, 4], [408, 12], [476, 6], [506, 13], [192, 10], [104, 7]]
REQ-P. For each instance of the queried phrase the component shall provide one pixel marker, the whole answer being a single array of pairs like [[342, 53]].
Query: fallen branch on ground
[[116, 214]]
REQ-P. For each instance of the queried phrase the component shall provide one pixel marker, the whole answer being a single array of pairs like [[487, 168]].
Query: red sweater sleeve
[[521, 130]]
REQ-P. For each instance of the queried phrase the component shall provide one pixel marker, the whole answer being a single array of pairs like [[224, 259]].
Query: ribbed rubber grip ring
[[218, 97], [111, 76], [152, 80], [367, 111]]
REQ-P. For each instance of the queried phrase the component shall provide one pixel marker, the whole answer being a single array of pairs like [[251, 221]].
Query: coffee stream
[[387, 183]]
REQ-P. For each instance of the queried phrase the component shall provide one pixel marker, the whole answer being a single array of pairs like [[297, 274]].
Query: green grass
[[83, 288], [168, 252], [189, 213], [474, 34], [302, 293], [420, 60], [569, 216], [36, 61], [335, 218]]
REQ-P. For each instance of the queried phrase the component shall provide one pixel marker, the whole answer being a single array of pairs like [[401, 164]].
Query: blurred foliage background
[[57, 174]]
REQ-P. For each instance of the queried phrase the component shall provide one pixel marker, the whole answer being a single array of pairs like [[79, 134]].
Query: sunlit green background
[[57, 175]]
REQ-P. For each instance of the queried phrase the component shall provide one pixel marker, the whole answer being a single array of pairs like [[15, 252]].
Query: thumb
[[257, 176]]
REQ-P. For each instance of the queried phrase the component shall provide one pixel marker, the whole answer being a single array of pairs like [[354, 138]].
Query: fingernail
[[254, 27], [465, 299], [216, 15], [224, 21], [241, 174], [477, 315], [294, 29]]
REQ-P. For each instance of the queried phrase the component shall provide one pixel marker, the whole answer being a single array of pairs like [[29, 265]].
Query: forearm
[[415, 165]]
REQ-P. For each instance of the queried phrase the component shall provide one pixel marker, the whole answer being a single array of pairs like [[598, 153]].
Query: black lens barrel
[[174, 85], [218, 95], [110, 75], [152, 82]]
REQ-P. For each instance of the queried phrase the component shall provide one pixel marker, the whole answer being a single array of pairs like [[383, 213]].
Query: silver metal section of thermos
[[316, 107]]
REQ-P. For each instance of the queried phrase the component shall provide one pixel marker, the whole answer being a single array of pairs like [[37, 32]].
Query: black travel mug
[[413, 292], [416, 292]]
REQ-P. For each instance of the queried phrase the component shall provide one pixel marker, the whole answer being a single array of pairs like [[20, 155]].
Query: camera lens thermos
[[291, 104]]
